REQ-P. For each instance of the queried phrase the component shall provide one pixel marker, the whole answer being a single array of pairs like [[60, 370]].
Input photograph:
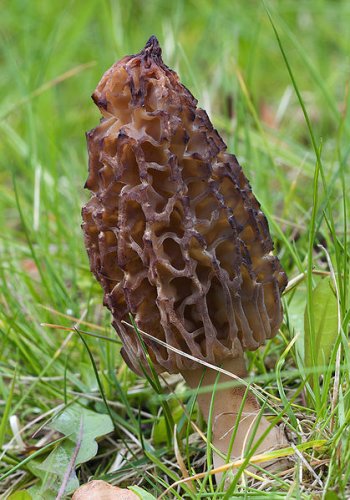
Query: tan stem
[[227, 404]]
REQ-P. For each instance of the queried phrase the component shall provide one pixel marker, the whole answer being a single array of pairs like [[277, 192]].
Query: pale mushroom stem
[[227, 403]]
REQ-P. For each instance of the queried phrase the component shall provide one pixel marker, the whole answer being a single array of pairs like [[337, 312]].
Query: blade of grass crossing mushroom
[[233, 436], [154, 382], [260, 393], [193, 358], [249, 438], [249, 458], [221, 485], [218, 452], [113, 340], [209, 452]]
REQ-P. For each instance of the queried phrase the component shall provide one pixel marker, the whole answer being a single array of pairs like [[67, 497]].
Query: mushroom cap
[[173, 231]]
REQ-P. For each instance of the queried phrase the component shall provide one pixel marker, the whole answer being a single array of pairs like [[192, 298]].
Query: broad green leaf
[[82, 427], [324, 309], [331, 495], [20, 495], [51, 473], [159, 431], [76, 421]]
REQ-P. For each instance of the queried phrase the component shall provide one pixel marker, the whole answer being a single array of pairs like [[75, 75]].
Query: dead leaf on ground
[[100, 490]]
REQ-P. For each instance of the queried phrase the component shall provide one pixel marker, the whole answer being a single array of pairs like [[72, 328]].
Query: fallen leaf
[[82, 427], [100, 490]]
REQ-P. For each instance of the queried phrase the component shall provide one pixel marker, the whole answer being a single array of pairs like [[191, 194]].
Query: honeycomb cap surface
[[173, 231]]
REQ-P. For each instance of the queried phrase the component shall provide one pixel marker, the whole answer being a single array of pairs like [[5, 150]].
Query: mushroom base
[[227, 405]]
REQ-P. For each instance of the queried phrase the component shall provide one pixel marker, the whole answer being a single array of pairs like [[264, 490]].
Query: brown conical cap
[[173, 231]]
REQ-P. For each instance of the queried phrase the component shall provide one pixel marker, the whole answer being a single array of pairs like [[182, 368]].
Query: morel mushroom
[[176, 237]]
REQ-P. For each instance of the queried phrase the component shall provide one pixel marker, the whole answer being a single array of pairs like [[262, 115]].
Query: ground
[[274, 79]]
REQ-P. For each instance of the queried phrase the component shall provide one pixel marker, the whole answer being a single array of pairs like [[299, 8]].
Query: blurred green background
[[53, 54], [45, 111]]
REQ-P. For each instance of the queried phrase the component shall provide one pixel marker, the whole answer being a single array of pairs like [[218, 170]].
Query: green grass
[[278, 93]]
